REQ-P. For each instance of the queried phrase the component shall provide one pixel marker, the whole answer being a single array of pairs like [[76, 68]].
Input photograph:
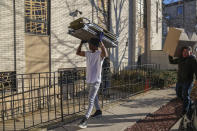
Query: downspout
[[14, 13], [49, 32]]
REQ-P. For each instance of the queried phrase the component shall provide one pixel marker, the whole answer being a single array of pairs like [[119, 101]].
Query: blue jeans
[[92, 98], [183, 91]]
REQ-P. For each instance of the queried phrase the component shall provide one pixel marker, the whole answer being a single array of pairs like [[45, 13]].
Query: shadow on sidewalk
[[104, 121], [144, 103]]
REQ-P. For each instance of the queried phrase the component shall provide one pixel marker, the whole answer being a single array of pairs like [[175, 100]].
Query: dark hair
[[94, 42], [186, 47]]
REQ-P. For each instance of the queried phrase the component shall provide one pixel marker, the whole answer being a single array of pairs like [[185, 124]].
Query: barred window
[[36, 17]]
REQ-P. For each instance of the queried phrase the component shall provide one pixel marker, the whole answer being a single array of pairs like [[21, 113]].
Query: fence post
[[23, 97], [3, 110], [61, 98], [39, 97]]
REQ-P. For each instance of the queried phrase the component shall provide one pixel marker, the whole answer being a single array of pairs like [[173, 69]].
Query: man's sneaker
[[97, 113], [83, 123]]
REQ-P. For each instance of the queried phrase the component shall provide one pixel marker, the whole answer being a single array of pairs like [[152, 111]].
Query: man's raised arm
[[103, 50], [79, 52]]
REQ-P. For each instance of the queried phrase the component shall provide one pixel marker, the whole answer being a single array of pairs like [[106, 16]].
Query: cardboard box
[[176, 39], [171, 42]]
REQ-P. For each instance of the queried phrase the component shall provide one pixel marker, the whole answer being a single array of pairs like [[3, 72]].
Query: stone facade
[[154, 29], [156, 25]]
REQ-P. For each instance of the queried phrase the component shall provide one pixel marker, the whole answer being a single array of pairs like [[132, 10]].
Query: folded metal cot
[[83, 29]]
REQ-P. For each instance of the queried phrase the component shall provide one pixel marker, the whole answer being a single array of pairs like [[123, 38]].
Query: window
[[36, 17], [179, 10]]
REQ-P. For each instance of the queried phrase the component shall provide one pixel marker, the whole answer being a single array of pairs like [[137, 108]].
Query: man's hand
[[101, 35]]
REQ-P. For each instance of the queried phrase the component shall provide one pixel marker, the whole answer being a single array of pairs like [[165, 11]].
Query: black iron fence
[[39, 98]]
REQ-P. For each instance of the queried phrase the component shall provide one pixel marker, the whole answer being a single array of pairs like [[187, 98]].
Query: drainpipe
[[49, 32], [14, 13]]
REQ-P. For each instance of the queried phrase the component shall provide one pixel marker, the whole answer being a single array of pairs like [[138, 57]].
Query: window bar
[[23, 100], [3, 107], [73, 93], [48, 97], [67, 93], [54, 94], [39, 98], [62, 117], [32, 99]]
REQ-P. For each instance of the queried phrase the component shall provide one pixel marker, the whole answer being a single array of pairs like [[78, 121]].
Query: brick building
[[34, 33]]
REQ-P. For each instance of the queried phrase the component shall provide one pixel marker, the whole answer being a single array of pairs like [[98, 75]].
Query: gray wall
[[187, 20]]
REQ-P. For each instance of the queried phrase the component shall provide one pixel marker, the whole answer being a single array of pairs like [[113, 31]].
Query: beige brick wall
[[63, 45], [36, 54], [20, 37], [7, 35]]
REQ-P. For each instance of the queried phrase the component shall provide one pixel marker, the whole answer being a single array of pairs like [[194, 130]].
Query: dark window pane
[[180, 10]]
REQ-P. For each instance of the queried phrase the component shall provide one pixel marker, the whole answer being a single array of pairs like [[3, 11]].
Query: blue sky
[[170, 1]]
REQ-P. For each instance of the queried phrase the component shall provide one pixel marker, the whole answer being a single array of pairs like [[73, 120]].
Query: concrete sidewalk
[[124, 114]]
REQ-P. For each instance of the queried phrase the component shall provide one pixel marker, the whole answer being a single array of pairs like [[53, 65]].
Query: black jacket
[[187, 67]]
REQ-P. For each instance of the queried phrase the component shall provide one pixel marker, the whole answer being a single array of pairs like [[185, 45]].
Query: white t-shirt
[[94, 64]]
